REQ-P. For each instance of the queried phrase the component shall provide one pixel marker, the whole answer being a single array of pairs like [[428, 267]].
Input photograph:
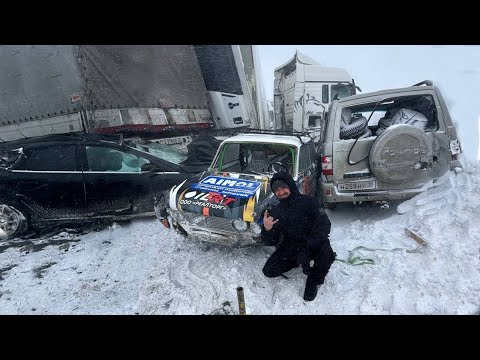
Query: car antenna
[[364, 127]]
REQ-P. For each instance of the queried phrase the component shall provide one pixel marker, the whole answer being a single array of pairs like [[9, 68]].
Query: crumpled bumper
[[213, 229]]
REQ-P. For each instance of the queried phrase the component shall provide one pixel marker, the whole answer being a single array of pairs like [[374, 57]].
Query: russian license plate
[[359, 185]]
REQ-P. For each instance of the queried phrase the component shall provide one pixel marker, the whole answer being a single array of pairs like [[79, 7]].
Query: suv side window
[[51, 158], [305, 161]]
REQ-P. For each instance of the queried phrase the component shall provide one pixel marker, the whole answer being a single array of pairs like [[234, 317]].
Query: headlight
[[240, 225], [256, 229]]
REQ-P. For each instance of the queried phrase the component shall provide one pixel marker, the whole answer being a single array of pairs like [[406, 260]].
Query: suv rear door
[[402, 158]]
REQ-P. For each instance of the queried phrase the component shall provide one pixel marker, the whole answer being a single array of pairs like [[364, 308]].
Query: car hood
[[231, 196]]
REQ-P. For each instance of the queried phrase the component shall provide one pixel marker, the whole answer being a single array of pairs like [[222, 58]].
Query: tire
[[400, 154], [13, 220], [330, 206], [354, 129]]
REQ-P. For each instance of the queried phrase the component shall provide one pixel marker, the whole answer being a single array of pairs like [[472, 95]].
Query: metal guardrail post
[[241, 301]]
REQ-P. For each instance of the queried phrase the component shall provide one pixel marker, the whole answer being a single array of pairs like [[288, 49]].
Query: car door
[[115, 183], [406, 157], [307, 170], [50, 180]]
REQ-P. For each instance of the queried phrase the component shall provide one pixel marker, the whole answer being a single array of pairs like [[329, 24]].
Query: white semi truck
[[142, 90], [303, 90]]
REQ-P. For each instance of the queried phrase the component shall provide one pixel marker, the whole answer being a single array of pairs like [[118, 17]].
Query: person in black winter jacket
[[299, 228]]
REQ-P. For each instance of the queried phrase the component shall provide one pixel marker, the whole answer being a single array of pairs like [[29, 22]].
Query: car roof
[[269, 138], [54, 138], [385, 92]]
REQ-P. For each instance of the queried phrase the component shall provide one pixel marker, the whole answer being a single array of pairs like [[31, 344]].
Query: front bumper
[[213, 229]]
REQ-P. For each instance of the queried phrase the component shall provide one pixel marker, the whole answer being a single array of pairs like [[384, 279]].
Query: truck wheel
[[13, 222], [400, 154]]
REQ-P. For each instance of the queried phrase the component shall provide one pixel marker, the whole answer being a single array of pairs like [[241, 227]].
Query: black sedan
[[70, 179]]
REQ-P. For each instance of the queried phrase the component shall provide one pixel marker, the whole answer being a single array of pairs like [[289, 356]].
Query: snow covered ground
[[143, 268]]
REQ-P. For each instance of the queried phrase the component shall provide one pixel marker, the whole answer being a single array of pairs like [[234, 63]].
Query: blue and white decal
[[239, 188]]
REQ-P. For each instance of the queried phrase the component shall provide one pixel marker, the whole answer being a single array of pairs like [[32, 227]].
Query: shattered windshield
[[165, 152], [255, 158]]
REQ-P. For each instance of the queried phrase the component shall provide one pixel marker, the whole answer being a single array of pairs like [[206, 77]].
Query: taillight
[[455, 149], [327, 166]]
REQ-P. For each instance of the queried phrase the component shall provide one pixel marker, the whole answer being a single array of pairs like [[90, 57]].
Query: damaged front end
[[231, 214]]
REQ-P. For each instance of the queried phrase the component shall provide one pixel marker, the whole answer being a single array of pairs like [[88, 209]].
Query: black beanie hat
[[279, 183]]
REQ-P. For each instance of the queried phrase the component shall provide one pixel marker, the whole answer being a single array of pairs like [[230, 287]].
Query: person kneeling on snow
[[300, 229]]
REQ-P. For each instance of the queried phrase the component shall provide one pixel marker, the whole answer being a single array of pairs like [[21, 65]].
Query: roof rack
[[298, 134]]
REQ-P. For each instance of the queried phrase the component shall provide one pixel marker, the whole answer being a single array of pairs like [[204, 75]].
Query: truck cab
[[303, 91]]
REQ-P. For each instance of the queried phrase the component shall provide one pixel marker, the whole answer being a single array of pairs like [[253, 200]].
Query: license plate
[[359, 185]]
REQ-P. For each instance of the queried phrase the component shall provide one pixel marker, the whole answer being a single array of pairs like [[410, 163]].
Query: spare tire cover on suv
[[400, 154]]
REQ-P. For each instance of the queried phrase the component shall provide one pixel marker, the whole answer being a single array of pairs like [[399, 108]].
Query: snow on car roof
[[383, 92], [268, 138]]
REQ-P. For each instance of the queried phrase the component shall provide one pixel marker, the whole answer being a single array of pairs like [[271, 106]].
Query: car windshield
[[165, 152], [255, 158]]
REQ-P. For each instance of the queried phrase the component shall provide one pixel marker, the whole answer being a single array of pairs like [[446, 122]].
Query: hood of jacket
[[288, 179]]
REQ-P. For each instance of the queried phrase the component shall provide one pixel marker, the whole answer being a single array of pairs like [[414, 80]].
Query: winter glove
[[303, 259]]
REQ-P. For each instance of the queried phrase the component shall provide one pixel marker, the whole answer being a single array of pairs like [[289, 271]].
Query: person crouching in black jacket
[[300, 229]]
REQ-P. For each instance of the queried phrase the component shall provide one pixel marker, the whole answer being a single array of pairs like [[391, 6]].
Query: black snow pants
[[283, 260]]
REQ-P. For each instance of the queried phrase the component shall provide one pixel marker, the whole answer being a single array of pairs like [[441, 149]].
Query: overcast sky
[[455, 69]]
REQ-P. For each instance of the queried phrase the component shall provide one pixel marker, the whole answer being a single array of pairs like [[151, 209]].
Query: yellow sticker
[[248, 209]]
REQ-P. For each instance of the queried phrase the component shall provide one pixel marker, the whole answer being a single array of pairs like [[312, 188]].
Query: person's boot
[[311, 289]]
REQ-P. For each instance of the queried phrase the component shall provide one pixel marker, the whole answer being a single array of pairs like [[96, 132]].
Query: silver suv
[[387, 145]]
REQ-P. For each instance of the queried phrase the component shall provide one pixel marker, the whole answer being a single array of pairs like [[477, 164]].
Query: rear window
[[418, 110]]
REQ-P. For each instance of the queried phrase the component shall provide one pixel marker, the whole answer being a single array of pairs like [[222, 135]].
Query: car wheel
[[400, 154], [13, 222], [330, 206]]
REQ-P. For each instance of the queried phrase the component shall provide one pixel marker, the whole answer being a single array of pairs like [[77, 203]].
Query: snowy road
[[142, 268]]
